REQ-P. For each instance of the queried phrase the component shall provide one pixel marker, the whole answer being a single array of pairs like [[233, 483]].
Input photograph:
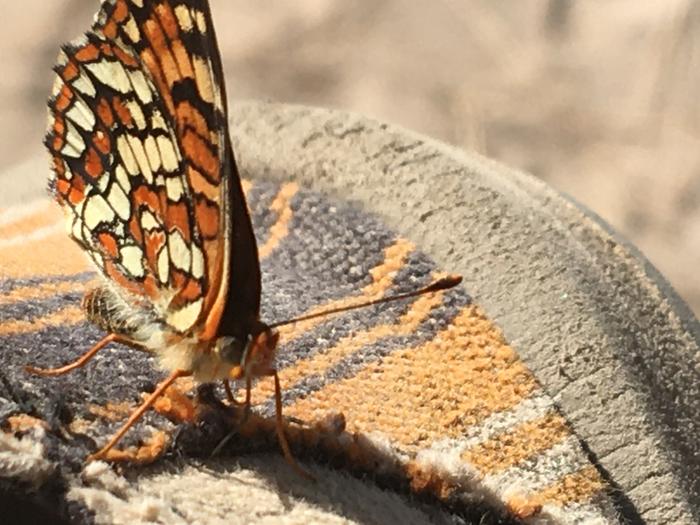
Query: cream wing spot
[[120, 202], [96, 210], [84, 85], [132, 260], [102, 184], [111, 73], [201, 73], [74, 145], [141, 158], [180, 254], [57, 86], [197, 262], [173, 188], [122, 178], [201, 21], [136, 113], [163, 265], [149, 221], [152, 152], [184, 19], [157, 121], [168, 154], [127, 155], [143, 91], [132, 30], [81, 115], [184, 318]]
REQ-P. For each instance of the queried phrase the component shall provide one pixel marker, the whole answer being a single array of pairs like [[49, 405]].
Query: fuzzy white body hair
[[145, 328]]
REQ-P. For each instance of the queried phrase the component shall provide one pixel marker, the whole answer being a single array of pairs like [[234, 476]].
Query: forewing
[[139, 144]]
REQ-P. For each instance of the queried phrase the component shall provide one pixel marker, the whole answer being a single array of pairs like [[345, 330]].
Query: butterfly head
[[249, 357]]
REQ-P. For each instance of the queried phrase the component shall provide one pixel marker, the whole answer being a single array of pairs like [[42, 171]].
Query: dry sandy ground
[[597, 97]]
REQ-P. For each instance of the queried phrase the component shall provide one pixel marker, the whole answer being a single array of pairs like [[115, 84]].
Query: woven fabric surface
[[429, 385]]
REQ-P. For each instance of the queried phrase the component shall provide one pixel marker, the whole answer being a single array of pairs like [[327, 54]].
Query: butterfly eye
[[231, 349]]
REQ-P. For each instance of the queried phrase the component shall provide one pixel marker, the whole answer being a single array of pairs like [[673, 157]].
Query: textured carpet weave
[[430, 382]]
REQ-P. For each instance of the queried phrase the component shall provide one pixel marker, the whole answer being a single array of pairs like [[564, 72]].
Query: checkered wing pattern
[[141, 156]]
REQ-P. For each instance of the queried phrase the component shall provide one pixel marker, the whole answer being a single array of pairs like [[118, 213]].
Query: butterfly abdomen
[[110, 312]]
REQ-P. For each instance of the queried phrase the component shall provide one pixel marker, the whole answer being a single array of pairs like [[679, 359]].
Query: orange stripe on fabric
[[382, 279], [55, 254], [321, 362], [435, 390], [42, 217], [578, 487], [279, 230], [510, 448], [47, 289], [70, 315]]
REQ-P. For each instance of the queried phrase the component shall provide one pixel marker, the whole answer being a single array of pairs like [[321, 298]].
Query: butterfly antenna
[[444, 283]]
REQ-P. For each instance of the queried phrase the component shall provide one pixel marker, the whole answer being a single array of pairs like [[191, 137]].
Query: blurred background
[[598, 97]]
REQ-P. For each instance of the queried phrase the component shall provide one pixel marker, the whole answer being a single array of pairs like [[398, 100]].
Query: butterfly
[[144, 170]]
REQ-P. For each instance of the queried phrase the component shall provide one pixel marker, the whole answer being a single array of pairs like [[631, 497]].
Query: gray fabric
[[615, 348], [604, 334]]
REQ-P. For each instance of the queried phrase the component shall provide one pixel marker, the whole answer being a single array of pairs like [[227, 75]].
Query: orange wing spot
[[109, 243], [105, 112], [88, 53], [70, 71], [125, 58], [63, 187], [59, 125], [58, 165], [110, 29], [135, 228], [201, 185], [63, 100], [199, 152], [121, 11], [207, 216], [176, 217], [59, 132], [153, 243], [113, 273], [151, 286], [187, 115], [188, 294], [172, 29], [178, 278], [151, 63], [168, 21], [57, 143], [93, 164], [106, 50], [182, 57], [144, 195], [160, 46], [77, 193], [102, 142], [122, 112]]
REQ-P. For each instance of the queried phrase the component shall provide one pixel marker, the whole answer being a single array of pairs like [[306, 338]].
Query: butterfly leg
[[162, 387], [246, 408], [81, 361], [232, 398], [281, 437], [229, 393]]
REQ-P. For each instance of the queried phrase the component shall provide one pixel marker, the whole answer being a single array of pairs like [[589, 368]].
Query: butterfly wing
[[143, 164]]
